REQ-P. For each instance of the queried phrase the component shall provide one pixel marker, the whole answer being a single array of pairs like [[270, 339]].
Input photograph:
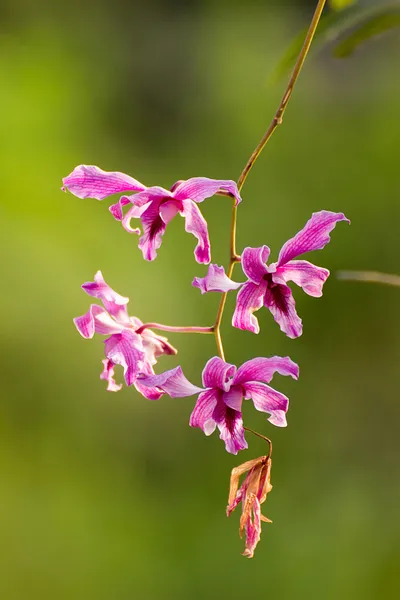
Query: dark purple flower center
[[230, 419], [155, 227], [276, 292]]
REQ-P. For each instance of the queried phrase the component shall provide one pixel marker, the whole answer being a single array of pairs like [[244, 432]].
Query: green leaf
[[367, 30], [341, 4], [328, 25], [347, 28]]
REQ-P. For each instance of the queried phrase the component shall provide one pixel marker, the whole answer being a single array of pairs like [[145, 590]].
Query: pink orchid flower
[[154, 206], [136, 353], [266, 285], [219, 403]]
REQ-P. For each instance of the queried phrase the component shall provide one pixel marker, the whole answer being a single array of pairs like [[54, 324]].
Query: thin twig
[[370, 277], [277, 120], [263, 438], [278, 117]]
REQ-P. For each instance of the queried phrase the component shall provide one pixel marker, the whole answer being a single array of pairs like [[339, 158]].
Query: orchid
[[266, 285], [252, 493], [135, 352], [154, 206], [134, 345], [219, 402]]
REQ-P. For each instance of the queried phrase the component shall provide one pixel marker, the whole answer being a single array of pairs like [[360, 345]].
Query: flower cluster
[[136, 347]]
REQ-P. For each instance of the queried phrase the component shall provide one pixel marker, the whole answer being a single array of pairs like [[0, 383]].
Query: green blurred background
[[110, 496]]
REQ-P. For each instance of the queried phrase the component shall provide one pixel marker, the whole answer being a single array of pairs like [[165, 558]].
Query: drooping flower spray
[[134, 345]]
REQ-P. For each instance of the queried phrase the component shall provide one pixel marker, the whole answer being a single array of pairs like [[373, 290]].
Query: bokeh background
[[110, 496]]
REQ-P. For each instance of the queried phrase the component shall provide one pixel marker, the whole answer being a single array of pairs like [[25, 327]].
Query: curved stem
[[277, 120], [269, 442], [174, 329], [278, 117]]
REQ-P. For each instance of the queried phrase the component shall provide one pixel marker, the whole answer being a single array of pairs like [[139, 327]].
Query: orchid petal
[[153, 230], [154, 193], [200, 188], [203, 411], [217, 374], [155, 345], [108, 375], [279, 300], [96, 320], [216, 280], [313, 236], [234, 397], [253, 528], [263, 369], [249, 299], [172, 382], [168, 210], [86, 323], [126, 349], [230, 425], [304, 274], [196, 224], [266, 399], [238, 498], [113, 302], [116, 209], [278, 418], [135, 212], [151, 393], [88, 181], [253, 263]]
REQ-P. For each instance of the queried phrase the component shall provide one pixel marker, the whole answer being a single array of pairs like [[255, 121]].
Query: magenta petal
[[86, 323], [88, 181], [253, 263], [153, 230], [196, 224], [263, 369], [116, 209], [126, 349], [313, 236], [200, 188], [96, 320], [230, 425], [278, 418], [135, 212], [151, 194], [266, 399], [172, 382], [151, 393], [304, 274], [155, 345], [249, 299], [203, 411], [279, 300], [108, 375], [168, 210], [113, 302], [234, 397], [217, 373], [216, 280]]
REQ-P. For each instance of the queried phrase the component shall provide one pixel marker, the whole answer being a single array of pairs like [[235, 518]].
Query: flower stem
[[277, 120], [370, 276], [278, 117], [269, 442], [174, 329]]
